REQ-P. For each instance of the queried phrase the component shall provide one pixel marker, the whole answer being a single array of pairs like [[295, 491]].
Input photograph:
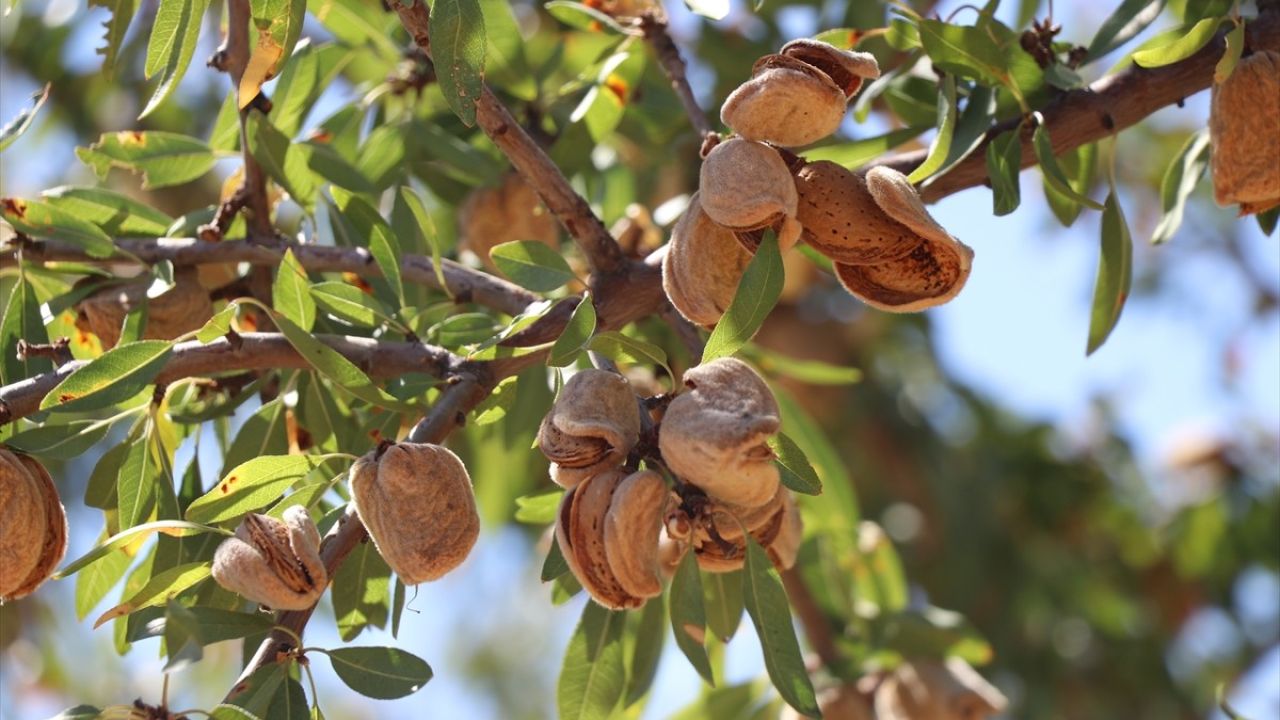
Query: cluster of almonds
[[916, 690], [887, 250], [1244, 132], [414, 499], [622, 531], [33, 525], [180, 309]]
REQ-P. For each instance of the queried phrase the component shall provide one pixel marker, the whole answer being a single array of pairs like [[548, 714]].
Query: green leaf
[[182, 637], [117, 375], [428, 229], [713, 9], [1004, 168], [1115, 274], [538, 509], [813, 372], [21, 321], [174, 35], [361, 591], [1231, 57], [349, 303], [278, 24], [43, 220], [650, 636], [163, 158], [458, 49], [384, 673], [60, 441], [97, 579], [797, 473], [757, 293], [689, 616], [1131, 18], [606, 102], [158, 590], [722, 597], [334, 366], [941, 145], [1078, 165], [577, 333], [251, 485], [877, 570], [859, 152], [499, 402], [1180, 180], [218, 625], [1267, 220], [291, 704], [1053, 173], [283, 160], [138, 480], [766, 603], [382, 242], [172, 528], [554, 565], [1180, 49], [80, 712], [291, 292], [252, 699], [218, 325], [593, 675], [121, 14], [624, 348], [532, 265], [581, 17], [966, 51], [14, 129], [117, 215]]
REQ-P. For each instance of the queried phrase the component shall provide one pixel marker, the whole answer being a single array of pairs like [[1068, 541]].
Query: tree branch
[[463, 283], [656, 33], [573, 212], [252, 351], [233, 56], [1079, 117]]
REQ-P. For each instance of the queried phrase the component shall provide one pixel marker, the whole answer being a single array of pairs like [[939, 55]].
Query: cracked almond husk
[[931, 274], [846, 68], [715, 434], [934, 690], [776, 526], [745, 185], [610, 540], [1244, 133], [180, 309], [510, 211], [33, 525], [786, 102], [275, 563], [702, 267], [418, 505], [592, 426]]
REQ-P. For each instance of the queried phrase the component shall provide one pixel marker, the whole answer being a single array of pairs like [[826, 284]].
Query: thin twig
[[656, 33], [234, 58], [533, 164], [59, 351]]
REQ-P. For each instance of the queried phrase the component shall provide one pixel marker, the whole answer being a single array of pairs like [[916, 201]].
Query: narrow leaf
[[1231, 57], [531, 264], [722, 596], [21, 321], [384, 673], [334, 366], [1053, 173], [941, 145], [650, 636], [1131, 18], [1115, 274], [757, 293], [766, 603], [163, 158], [43, 220], [577, 333], [291, 292], [458, 49], [172, 528], [1182, 48], [115, 376], [174, 36], [797, 473], [277, 24], [689, 617], [250, 486], [158, 590], [1004, 168], [14, 129], [593, 674], [1180, 180]]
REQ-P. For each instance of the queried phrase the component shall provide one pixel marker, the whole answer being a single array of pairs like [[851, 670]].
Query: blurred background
[[1110, 524]]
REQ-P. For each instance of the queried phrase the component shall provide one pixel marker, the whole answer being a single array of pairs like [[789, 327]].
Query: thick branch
[[1079, 117], [464, 283], [534, 166], [252, 351], [655, 32]]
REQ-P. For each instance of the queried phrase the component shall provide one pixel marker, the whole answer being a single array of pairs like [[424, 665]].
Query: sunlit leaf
[[276, 25], [174, 35], [1180, 180], [385, 673], [577, 333], [1115, 274], [1184, 47], [766, 603], [458, 49], [941, 145], [159, 589], [593, 674], [115, 376], [250, 486], [688, 616], [163, 158], [757, 293], [14, 129]]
